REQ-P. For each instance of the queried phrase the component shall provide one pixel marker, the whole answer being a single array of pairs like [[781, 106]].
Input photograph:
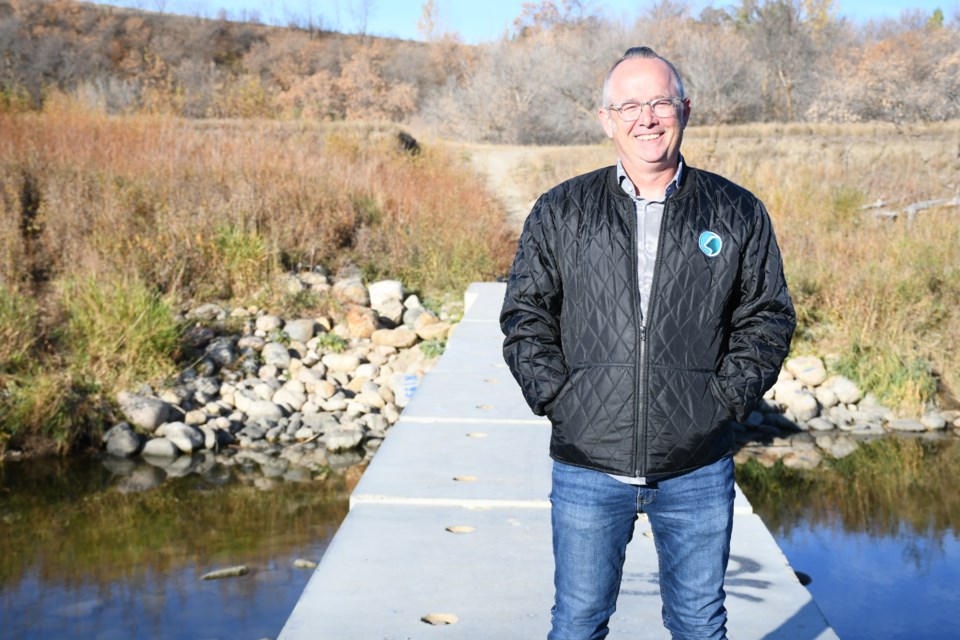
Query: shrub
[[118, 331]]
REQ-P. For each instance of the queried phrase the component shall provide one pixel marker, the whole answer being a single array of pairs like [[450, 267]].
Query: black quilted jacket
[[656, 398]]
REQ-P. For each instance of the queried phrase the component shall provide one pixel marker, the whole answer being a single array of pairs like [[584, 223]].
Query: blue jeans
[[593, 517]]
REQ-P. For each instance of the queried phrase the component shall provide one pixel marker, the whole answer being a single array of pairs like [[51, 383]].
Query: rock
[[304, 433], [826, 397], [276, 355], [229, 572], [252, 432], [195, 417], [198, 337], [268, 323], [785, 387], [185, 437], [292, 285], [933, 421], [301, 330], [315, 280], [262, 410], [435, 331], [412, 316], [343, 438], [320, 422], [214, 439], [399, 338], [345, 362], [300, 563], [370, 399], [143, 412], [807, 369], [906, 425], [865, 429], [821, 424], [221, 352], [385, 291], [800, 403], [159, 448], [845, 389], [207, 312], [122, 441], [290, 399], [391, 312], [351, 291], [256, 343], [840, 415], [361, 322]]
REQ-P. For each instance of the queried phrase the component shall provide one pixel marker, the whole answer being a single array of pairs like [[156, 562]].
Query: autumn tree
[[788, 37]]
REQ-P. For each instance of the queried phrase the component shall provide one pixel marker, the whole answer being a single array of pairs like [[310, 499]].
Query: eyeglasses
[[631, 110]]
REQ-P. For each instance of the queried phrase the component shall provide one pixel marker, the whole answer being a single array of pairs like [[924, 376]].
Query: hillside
[[759, 61]]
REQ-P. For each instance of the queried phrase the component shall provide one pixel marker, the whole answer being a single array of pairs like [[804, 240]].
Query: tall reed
[[109, 224]]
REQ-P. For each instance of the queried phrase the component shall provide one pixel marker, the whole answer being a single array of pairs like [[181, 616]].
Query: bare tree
[[783, 41], [362, 11]]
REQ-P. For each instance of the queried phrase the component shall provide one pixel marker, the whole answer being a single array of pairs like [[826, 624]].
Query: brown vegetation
[[109, 224], [759, 60]]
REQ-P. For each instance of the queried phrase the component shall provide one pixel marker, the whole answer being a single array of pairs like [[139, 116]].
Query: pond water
[[82, 555], [879, 537], [902, 586]]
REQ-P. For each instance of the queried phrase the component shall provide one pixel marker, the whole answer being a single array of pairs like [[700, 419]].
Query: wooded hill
[[761, 60]]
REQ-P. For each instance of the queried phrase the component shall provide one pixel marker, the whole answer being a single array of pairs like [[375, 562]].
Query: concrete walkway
[[451, 524]]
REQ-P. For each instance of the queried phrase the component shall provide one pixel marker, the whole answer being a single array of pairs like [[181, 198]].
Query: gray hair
[[647, 53]]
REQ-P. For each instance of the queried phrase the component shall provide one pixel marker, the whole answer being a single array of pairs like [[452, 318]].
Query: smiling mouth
[[649, 136]]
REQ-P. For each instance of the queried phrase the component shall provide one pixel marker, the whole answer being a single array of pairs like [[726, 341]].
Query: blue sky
[[475, 21]]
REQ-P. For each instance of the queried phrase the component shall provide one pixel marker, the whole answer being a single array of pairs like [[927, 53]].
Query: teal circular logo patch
[[710, 244]]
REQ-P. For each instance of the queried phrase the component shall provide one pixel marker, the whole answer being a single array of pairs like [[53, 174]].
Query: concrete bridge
[[448, 535]]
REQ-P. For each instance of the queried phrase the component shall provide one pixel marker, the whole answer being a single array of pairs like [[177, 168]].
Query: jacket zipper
[[644, 365], [639, 333]]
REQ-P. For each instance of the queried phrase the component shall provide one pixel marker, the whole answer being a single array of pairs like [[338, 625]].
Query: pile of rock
[[302, 392], [808, 414]]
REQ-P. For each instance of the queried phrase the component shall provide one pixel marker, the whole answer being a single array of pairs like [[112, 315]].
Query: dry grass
[[881, 295], [106, 221]]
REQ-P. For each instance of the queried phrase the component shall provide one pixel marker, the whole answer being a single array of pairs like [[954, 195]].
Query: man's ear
[[686, 111], [606, 121]]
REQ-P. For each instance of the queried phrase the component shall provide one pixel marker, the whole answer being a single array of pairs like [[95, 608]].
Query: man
[[646, 309]]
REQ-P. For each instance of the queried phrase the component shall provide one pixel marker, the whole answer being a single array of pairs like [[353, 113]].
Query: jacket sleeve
[[762, 322], [530, 317]]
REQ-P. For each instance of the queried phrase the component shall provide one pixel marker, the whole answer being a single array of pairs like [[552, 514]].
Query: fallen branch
[[913, 209]]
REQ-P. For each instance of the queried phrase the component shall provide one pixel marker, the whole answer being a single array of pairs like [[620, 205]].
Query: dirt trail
[[502, 165]]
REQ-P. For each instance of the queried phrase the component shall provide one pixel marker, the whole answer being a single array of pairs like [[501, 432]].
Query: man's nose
[[647, 117]]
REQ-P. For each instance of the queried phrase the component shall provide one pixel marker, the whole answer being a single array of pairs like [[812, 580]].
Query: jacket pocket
[[718, 395], [564, 391]]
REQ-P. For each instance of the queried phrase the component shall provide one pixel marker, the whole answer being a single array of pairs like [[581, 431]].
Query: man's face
[[651, 143]]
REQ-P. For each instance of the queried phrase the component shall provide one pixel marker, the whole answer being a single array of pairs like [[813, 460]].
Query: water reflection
[[878, 534], [87, 553]]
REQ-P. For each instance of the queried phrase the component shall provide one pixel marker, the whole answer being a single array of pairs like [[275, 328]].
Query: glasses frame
[[677, 104]]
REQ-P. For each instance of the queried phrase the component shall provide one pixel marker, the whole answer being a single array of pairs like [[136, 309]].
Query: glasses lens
[[630, 111], [664, 108]]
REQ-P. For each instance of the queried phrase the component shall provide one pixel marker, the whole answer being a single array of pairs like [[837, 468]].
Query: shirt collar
[[627, 185]]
